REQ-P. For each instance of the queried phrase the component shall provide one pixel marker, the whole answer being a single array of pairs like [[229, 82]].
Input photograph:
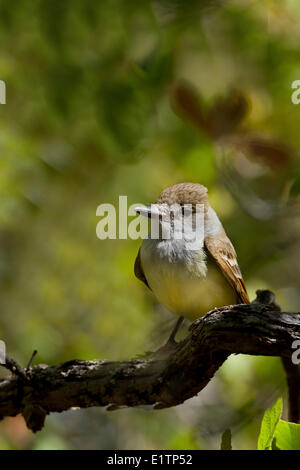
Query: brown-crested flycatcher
[[189, 279]]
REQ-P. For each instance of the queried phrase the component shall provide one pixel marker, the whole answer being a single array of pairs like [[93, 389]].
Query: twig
[[11, 365], [31, 360]]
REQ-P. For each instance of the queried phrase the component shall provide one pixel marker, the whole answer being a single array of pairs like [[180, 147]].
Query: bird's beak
[[149, 211]]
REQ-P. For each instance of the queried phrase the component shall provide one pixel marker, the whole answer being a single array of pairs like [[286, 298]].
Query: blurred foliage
[[90, 115], [275, 433]]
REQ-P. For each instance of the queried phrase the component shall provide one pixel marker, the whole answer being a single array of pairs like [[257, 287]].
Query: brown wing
[[223, 253], [138, 269]]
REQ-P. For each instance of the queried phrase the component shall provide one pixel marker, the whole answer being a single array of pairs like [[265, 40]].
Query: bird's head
[[177, 209]]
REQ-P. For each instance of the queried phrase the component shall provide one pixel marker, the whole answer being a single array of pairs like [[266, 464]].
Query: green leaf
[[268, 426], [287, 436], [226, 440]]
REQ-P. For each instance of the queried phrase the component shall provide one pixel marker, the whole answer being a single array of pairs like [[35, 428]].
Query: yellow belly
[[184, 294]]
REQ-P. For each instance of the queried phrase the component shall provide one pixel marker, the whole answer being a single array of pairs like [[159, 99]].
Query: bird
[[189, 280]]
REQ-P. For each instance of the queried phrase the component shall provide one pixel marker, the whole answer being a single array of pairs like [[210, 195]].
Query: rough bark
[[163, 379]]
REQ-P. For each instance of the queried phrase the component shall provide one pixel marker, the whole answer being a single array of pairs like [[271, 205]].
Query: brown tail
[[242, 295]]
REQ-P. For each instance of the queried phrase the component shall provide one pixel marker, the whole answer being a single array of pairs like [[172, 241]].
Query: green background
[[90, 115]]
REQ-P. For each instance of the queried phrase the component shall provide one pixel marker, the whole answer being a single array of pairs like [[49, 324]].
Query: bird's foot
[[170, 344]]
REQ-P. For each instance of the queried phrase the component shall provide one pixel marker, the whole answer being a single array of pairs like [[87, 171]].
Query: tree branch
[[165, 378], [293, 382]]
